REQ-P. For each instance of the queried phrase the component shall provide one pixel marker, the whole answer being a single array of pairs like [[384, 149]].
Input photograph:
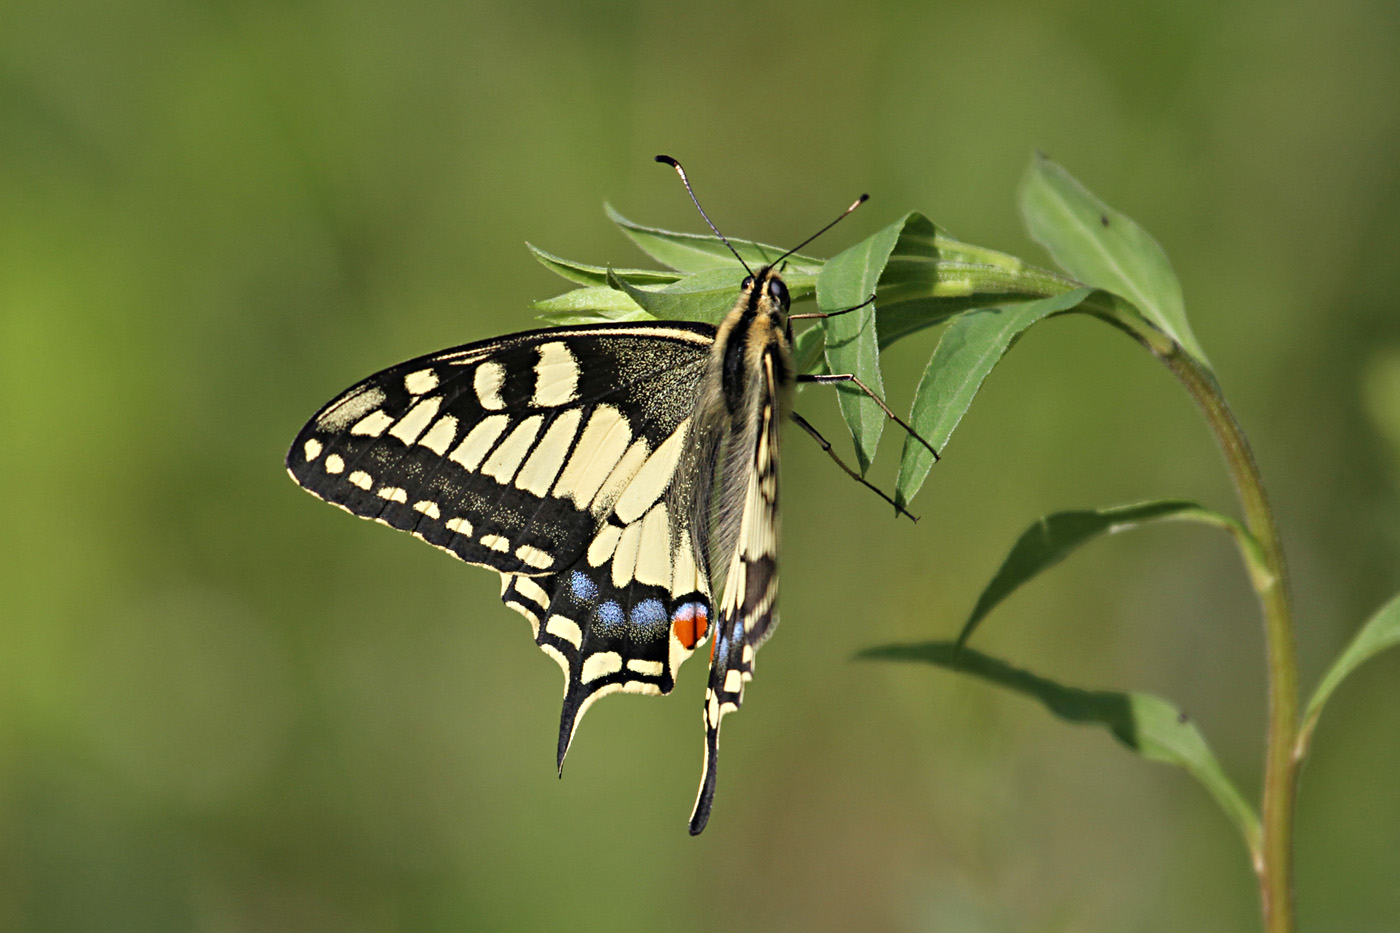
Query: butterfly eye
[[747, 283], [778, 292]]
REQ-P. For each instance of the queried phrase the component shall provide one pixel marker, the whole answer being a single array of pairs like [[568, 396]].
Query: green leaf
[[932, 276], [590, 306], [807, 351], [1104, 248], [1149, 725], [1054, 537], [1380, 632], [582, 274], [847, 280], [693, 252], [969, 348], [703, 296]]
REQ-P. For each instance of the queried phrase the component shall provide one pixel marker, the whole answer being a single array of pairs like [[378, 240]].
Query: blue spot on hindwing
[[582, 586], [610, 617], [649, 617]]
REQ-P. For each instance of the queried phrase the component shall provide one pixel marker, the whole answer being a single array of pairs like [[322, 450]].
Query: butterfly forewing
[[546, 456]]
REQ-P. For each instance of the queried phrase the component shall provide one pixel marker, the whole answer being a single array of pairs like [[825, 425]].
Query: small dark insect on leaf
[[1103, 219]]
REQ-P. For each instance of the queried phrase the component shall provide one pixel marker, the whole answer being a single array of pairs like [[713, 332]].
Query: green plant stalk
[[1273, 862], [1272, 854]]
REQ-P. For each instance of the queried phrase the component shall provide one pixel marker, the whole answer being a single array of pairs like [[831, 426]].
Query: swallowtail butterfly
[[621, 478]]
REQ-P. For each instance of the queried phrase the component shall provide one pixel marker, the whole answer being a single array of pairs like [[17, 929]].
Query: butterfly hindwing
[[748, 607], [546, 456]]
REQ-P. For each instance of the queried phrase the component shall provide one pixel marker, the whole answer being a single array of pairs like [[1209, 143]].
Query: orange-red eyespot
[[690, 622]]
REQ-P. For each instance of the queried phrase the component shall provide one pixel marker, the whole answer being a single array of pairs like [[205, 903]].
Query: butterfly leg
[[821, 315], [826, 446], [832, 379]]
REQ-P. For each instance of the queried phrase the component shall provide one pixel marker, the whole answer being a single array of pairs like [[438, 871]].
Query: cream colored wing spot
[[335, 464], [459, 525], [362, 479], [646, 668], [413, 424], [496, 543], [531, 590], [654, 477], [349, 408], [565, 629], [599, 665], [534, 557], [733, 681], [312, 449], [685, 576], [372, 424], [624, 562], [428, 508], [478, 441], [556, 376], [654, 548], [392, 493], [505, 459], [620, 476], [602, 444], [603, 545], [547, 459], [487, 382], [421, 382], [440, 436]]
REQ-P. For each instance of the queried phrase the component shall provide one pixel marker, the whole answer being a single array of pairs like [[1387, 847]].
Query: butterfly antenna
[[857, 203], [686, 181]]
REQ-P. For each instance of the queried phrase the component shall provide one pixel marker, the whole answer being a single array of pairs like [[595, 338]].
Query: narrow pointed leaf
[[1101, 247], [1380, 632], [1148, 724], [693, 252], [1054, 537], [852, 346], [590, 305], [932, 276], [583, 274], [970, 346], [702, 296]]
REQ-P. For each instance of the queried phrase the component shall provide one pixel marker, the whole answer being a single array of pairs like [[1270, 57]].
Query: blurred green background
[[225, 706]]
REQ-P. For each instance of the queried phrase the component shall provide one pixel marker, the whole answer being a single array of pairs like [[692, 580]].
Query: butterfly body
[[737, 429], [617, 476]]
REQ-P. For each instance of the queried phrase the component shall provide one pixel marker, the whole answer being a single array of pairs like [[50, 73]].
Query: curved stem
[[1274, 860]]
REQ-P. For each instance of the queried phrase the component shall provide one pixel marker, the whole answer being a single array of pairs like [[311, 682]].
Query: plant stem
[[1273, 863]]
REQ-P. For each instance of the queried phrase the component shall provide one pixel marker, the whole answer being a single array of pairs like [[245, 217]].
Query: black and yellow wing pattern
[[610, 473]]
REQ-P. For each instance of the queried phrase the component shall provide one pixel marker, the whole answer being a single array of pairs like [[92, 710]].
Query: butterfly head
[[765, 294]]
